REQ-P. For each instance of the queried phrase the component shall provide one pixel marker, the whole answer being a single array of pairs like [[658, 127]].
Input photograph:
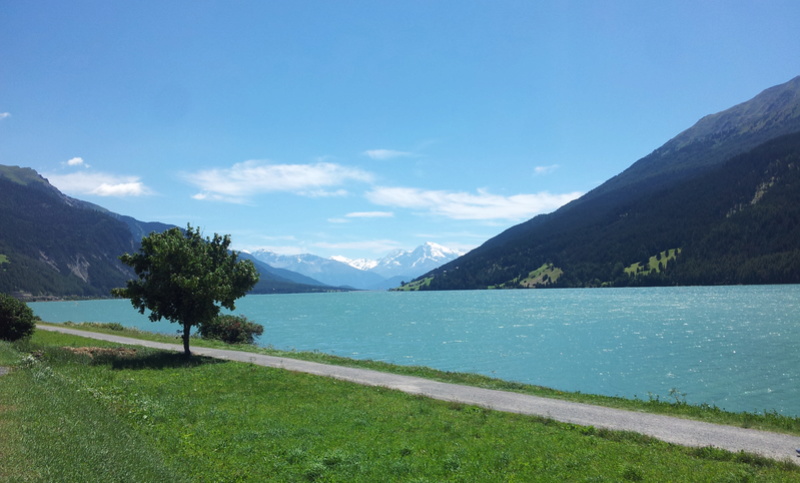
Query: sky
[[354, 128]]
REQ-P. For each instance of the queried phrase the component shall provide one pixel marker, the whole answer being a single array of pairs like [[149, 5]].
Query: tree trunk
[[186, 327]]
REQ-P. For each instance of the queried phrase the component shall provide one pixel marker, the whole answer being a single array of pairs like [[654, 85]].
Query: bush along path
[[679, 431]]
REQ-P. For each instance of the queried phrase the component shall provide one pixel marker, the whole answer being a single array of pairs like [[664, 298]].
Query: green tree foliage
[[16, 319], [186, 278], [231, 329]]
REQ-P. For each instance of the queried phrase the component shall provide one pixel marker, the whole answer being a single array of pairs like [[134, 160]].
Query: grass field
[[672, 405], [157, 416]]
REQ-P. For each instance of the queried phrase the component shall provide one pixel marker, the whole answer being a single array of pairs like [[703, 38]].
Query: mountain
[[714, 139], [324, 270], [416, 262], [52, 245], [401, 266], [359, 263], [388, 272], [717, 204], [278, 280]]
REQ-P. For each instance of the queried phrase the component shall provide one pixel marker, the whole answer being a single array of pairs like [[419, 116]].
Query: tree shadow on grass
[[157, 360]]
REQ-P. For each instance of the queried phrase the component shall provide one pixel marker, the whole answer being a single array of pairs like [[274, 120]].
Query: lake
[[734, 347]]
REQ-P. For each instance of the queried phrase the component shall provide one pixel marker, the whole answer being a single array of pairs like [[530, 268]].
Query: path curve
[[679, 431]]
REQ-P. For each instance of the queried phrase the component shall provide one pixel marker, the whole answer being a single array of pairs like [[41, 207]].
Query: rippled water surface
[[734, 347]]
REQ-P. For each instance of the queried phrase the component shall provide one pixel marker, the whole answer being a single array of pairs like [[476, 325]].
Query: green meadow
[[69, 414]]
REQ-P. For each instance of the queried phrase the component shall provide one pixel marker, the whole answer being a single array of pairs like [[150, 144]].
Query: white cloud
[[324, 193], [249, 178], [370, 214], [362, 214], [383, 154], [99, 184], [540, 170], [279, 249], [380, 246], [133, 188], [468, 206], [216, 197], [4, 115], [77, 162], [377, 246]]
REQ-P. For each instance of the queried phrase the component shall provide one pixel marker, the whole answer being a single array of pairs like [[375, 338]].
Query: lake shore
[[727, 347], [674, 430]]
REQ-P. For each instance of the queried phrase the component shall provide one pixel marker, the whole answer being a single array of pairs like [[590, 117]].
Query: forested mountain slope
[[52, 245], [717, 204]]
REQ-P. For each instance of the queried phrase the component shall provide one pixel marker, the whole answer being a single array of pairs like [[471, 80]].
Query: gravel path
[[673, 430]]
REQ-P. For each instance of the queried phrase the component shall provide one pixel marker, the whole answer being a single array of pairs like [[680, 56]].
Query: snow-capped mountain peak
[[438, 251], [411, 264], [389, 271], [359, 263]]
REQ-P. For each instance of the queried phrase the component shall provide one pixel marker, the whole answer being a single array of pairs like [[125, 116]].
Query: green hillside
[[52, 245], [53, 248], [718, 204]]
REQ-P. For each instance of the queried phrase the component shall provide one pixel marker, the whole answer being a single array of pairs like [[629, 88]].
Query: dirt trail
[[673, 430]]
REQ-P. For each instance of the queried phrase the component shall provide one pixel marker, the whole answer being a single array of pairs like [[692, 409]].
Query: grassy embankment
[[156, 416], [654, 264], [672, 405]]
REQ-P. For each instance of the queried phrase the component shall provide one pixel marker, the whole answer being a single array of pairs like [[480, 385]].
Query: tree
[[231, 329], [186, 278], [16, 319]]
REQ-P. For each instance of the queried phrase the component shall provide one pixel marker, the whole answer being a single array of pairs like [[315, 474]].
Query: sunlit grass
[[673, 405], [54, 430], [158, 416]]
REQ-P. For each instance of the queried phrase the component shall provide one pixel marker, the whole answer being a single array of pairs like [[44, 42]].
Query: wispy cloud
[[384, 154], [99, 184], [541, 170], [77, 162], [361, 214], [279, 249], [4, 115], [370, 214], [376, 246], [468, 206], [282, 244], [324, 193], [243, 180]]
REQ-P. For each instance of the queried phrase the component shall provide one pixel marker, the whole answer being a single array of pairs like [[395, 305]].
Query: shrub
[[16, 319], [233, 329], [98, 325]]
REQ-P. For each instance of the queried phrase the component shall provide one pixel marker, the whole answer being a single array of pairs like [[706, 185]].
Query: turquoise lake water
[[734, 347]]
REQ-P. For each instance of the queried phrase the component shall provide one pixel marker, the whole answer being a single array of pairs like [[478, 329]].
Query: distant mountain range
[[717, 204], [388, 272], [52, 245]]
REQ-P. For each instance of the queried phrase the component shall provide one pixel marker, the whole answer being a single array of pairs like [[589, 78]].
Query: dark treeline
[[736, 223], [52, 248], [52, 245]]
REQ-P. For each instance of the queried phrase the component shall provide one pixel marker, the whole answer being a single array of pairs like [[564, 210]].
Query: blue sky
[[356, 127]]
